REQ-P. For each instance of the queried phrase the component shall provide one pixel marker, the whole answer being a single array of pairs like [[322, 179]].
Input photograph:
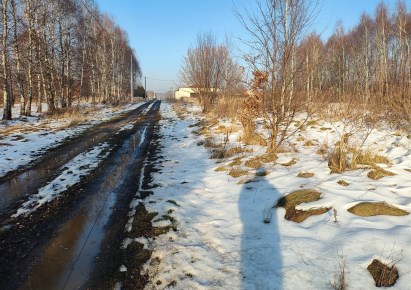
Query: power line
[[153, 79]]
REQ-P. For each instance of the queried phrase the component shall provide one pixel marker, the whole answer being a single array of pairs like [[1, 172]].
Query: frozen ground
[[24, 139], [222, 241]]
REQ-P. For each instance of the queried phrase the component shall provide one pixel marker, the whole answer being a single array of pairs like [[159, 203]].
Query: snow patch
[[79, 166]]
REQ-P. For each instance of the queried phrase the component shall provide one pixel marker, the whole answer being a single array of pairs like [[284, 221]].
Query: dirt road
[[72, 242]]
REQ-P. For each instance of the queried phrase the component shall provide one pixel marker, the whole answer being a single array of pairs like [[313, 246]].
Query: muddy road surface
[[62, 243]]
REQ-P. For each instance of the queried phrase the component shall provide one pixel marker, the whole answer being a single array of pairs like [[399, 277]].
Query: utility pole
[[145, 87], [131, 77]]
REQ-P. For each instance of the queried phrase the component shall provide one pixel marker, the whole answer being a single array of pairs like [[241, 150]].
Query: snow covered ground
[[222, 241], [22, 140]]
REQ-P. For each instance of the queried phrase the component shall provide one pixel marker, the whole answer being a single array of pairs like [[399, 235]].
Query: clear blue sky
[[161, 31]]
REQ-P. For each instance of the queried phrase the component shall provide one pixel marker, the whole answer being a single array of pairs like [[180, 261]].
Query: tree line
[[292, 70], [60, 52], [370, 64]]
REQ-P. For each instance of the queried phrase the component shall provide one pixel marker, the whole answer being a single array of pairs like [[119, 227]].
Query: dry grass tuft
[[236, 172], [383, 275], [309, 143], [228, 129], [253, 163], [236, 161], [378, 173], [406, 169], [368, 158], [289, 163], [235, 150], [343, 183], [323, 150], [254, 139], [210, 143], [284, 149], [223, 153], [290, 201], [344, 157], [267, 158], [312, 123], [221, 168], [366, 209], [305, 174], [300, 139]]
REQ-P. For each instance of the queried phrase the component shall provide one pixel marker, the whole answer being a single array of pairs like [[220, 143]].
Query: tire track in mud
[[50, 244], [19, 184]]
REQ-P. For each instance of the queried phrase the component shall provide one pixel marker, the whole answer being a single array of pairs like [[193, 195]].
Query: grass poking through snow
[[290, 201], [367, 209]]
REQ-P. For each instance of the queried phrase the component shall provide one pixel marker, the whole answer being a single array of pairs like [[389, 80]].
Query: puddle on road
[[68, 258], [28, 182]]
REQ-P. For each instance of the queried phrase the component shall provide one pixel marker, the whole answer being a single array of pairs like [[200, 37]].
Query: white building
[[185, 93]]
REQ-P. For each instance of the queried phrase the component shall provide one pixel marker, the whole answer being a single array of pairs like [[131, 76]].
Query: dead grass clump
[[228, 106], [383, 275], [75, 122], [62, 113], [236, 172], [289, 163], [253, 163], [406, 169], [218, 153], [254, 139], [366, 209], [338, 160], [228, 129], [208, 123], [343, 183], [236, 161], [202, 131], [267, 158], [234, 151], [210, 143], [367, 158], [300, 139], [222, 153], [284, 149], [378, 173], [312, 123], [309, 143], [344, 157], [305, 174], [322, 150], [221, 168], [290, 201]]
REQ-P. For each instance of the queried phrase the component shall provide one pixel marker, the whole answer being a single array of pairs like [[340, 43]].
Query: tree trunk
[[7, 98]]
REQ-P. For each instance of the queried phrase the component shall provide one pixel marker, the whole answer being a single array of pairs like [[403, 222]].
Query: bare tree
[[275, 29], [209, 68], [7, 97]]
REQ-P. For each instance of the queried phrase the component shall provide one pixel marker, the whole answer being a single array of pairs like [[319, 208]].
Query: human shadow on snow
[[261, 260]]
